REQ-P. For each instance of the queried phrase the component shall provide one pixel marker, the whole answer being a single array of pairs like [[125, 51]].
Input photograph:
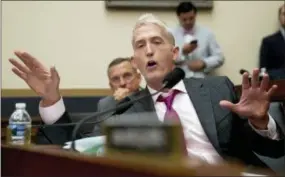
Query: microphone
[[171, 79]]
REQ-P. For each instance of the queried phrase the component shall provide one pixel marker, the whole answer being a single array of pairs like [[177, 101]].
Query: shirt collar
[[179, 86], [192, 31], [282, 30]]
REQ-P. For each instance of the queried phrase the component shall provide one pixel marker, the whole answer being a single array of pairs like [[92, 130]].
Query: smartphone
[[194, 42]]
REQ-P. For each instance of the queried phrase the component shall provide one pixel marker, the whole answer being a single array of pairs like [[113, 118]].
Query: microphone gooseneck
[[98, 114], [169, 81]]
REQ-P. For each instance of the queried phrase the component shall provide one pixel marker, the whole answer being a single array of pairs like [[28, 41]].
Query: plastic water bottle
[[19, 127]]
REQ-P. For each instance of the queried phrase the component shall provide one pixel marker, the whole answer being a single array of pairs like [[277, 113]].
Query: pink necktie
[[171, 114]]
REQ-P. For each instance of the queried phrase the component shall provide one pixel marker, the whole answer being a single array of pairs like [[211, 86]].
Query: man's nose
[[123, 83], [149, 50]]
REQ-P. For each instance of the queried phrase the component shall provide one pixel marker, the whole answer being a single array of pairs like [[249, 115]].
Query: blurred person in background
[[272, 50], [199, 51]]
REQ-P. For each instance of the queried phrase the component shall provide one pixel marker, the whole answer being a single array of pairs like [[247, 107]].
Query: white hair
[[149, 18]]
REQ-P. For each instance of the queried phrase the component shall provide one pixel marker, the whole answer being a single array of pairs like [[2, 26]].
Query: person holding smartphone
[[199, 51]]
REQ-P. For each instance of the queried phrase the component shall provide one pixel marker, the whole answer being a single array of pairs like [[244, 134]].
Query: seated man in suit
[[216, 125], [272, 50], [123, 80], [197, 59]]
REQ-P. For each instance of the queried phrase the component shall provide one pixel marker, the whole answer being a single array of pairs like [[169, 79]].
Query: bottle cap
[[262, 72], [20, 105]]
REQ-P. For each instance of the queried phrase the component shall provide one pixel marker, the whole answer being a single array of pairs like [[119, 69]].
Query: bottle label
[[98, 150], [18, 133]]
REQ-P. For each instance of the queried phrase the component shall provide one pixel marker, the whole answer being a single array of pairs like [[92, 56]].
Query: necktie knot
[[169, 99]]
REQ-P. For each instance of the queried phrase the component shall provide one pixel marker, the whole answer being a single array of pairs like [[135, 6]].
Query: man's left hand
[[254, 101], [196, 65]]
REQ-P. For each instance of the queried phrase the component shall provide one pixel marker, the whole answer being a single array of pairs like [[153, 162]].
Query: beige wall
[[80, 38]]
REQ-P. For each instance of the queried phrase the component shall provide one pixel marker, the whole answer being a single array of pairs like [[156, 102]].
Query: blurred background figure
[[199, 51], [272, 50]]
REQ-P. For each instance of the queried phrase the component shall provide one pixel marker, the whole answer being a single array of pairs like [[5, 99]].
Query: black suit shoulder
[[272, 37]]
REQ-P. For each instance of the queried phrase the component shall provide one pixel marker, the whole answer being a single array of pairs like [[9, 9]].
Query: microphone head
[[173, 77]]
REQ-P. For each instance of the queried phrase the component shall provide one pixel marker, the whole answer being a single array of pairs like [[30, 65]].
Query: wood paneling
[[64, 92]]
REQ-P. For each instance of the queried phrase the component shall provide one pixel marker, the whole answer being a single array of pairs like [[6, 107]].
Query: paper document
[[90, 145], [251, 174]]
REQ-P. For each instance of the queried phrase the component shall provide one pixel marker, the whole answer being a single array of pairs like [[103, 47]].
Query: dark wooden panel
[[157, 5], [73, 104]]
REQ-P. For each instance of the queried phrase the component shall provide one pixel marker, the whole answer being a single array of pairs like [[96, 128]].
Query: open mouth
[[151, 64]]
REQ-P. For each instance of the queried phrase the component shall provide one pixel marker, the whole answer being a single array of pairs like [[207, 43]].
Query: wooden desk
[[53, 161]]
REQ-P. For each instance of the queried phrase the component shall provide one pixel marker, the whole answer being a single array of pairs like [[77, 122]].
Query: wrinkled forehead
[[147, 31]]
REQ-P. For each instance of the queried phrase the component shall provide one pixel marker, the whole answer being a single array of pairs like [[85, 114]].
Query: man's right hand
[[188, 48], [121, 93], [41, 80]]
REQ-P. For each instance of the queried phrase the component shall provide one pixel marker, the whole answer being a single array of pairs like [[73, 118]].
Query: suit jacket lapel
[[146, 104], [201, 99]]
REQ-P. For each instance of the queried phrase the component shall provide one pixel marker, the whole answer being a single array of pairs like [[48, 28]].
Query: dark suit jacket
[[230, 135], [85, 130], [272, 55], [103, 104]]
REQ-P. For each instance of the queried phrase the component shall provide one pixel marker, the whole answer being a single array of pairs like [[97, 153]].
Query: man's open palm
[[43, 81], [255, 98]]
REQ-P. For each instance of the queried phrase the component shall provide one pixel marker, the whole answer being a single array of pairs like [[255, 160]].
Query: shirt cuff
[[52, 113], [271, 131]]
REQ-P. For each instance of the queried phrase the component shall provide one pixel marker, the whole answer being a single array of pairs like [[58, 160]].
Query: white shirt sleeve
[[52, 113], [271, 131]]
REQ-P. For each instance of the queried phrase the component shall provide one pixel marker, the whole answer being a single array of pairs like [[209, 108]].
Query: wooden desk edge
[[172, 169]]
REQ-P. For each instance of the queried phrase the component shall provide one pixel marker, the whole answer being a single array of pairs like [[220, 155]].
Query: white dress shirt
[[198, 144]]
